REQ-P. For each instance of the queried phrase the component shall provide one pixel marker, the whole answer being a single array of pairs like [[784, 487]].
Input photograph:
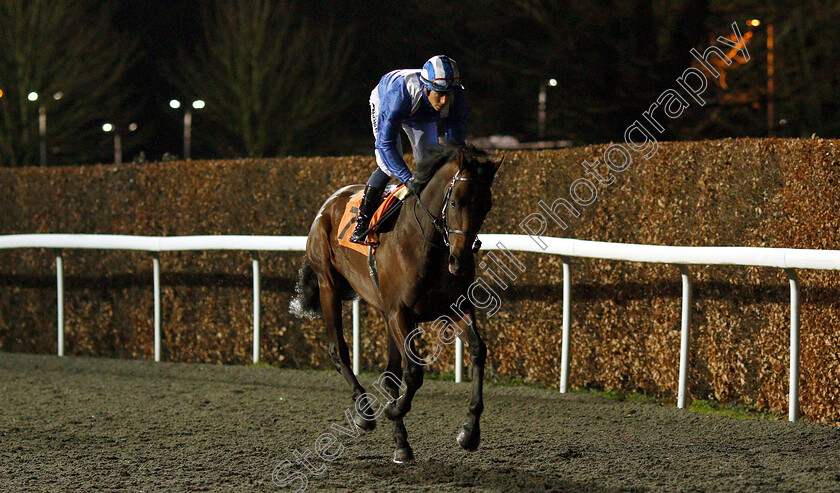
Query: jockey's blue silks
[[399, 101]]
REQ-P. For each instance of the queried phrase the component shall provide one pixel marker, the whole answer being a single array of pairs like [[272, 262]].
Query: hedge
[[743, 192]]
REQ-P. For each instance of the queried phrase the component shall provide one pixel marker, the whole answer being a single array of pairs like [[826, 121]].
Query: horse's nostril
[[453, 260]]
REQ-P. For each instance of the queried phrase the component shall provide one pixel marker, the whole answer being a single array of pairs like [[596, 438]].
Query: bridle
[[440, 223]]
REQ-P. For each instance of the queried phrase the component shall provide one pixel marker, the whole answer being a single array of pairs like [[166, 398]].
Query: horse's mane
[[442, 154]]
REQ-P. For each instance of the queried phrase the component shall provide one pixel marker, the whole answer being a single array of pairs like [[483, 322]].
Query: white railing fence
[[783, 258]]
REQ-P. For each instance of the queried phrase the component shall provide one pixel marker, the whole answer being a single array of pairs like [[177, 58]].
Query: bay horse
[[425, 263]]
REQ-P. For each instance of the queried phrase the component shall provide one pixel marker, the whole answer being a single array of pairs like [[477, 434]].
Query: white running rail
[[784, 258]]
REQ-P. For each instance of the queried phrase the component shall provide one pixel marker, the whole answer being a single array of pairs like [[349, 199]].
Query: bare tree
[[270, 77], [65, 52]]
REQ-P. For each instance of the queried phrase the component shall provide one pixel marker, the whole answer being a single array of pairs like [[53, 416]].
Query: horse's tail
[[307, 300]]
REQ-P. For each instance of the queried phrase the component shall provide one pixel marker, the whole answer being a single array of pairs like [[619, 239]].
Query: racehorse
[[424, 264]]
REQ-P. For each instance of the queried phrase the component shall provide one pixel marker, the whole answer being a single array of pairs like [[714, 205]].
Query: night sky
[[611, 60], [162, 28]]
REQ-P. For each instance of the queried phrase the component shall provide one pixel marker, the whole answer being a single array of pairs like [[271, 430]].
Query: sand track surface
[[84, 424]]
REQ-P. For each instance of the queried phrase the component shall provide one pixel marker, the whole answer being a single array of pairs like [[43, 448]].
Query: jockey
[[414, 100]]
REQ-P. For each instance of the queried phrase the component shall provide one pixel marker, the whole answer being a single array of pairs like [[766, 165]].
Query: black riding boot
[[371, 200]]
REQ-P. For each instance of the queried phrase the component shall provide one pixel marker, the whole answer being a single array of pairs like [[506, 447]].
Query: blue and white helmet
[[440, 74]]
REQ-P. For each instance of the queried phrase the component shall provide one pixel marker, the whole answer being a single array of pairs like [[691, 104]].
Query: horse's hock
[[741, 192]]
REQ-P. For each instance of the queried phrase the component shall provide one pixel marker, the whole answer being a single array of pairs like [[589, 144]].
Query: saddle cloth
[[351, 211]]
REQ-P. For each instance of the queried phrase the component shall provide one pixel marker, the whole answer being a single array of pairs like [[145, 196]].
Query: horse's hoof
[[364, 424], [404, 454], [469, 441]]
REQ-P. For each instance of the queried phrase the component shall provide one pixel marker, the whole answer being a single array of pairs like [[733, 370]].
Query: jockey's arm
[[388, 147], [394, 109]]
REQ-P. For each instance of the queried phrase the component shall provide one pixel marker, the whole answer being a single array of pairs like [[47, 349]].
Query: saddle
[[379, 223]]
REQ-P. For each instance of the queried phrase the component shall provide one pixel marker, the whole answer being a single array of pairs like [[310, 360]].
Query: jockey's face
[[438, 99]]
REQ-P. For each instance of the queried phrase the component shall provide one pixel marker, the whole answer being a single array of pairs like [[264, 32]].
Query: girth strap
[[372, 265]]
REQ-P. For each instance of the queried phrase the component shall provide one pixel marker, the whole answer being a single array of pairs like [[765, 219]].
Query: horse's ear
[[498, 164], [461, 160]]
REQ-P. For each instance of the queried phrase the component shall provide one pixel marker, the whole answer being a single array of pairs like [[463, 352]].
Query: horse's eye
[[452, 202]]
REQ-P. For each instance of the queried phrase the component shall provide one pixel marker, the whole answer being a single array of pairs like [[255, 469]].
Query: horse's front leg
[[403, 452], [401, 323], [470, 434]]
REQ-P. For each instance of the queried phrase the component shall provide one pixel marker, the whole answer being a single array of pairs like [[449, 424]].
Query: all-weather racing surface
[[84, 424]]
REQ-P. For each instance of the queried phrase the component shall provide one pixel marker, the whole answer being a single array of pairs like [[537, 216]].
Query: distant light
[[33, 96], [1, 93], [198, 104], [175, 104], [754, 22], [58, 95], [107, 127], [132, 127], [552, 82]]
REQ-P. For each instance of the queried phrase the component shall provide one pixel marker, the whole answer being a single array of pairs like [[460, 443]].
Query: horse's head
[[456, 184], [466, 203]]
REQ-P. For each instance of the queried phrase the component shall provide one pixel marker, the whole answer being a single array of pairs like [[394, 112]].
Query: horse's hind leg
[[340, 355], [470, 434], [403, 452]]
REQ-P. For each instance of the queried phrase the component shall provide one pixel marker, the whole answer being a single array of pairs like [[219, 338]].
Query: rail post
[[59, 282], [793, 399], [459, 360], [356, 335], [256, 269], [156, 276], [685, 332], [567, 325]]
